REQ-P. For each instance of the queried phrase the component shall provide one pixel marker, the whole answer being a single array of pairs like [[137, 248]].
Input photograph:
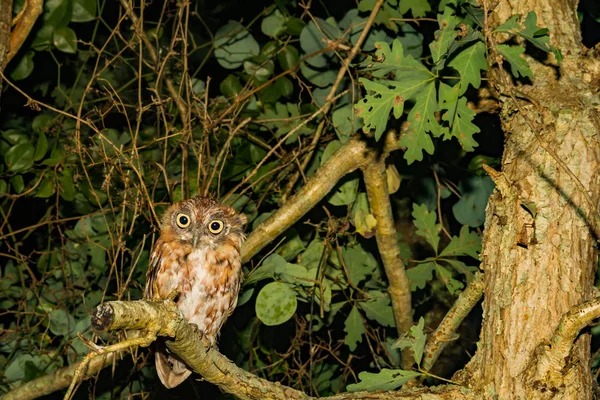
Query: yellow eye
[[216, 226], [183, 220]]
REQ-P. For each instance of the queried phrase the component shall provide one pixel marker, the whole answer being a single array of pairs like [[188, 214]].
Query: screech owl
[[197, 253]]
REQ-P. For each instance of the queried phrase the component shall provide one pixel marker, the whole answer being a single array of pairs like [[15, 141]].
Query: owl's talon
[[173, 295]]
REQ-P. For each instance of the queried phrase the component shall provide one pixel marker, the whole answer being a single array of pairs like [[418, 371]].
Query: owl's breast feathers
[[208, 281]]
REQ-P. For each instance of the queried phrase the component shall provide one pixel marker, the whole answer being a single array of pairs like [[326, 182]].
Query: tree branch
[[445, 332], [216, 368], [355, 154], [551, 359], [23, 24], [387, 242]]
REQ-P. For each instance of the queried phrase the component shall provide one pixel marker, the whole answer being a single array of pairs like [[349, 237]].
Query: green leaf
[[266, 269], [459, 116], [466, 244], [420, 275], [375, 108], [245, 297], [475, 192], [393, 60], [56, 156], [234, 44], [518, 65], [346, 191], [65, 40], [61, 322], [469, 62], [24, 67], [313, 39], [15, 136], [386, 379], [345, 122], [311, 258], [83, 10], [67, 185], [379, 309], [19, 158], [17, 183], [418, 7], [415, 339], [3, 186], [230, 86], [41, 147], [275, 304], [444, 37], [260, 71], [274, 24], [421, 120], [45, 189], [531, 32], [319, 77], [288, 57], [424, 221], [359, 263], [446, 276], [354, 329]]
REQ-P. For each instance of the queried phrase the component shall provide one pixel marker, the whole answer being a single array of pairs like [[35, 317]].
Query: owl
[[198, 254]]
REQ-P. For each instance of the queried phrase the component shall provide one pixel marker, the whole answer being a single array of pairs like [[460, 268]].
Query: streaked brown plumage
[[197, 253]]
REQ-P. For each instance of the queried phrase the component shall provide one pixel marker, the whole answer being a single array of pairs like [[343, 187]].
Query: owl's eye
[[216, 226], [183, 220]]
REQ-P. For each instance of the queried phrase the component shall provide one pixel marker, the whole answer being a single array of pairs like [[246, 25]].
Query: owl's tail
[[170, 370]]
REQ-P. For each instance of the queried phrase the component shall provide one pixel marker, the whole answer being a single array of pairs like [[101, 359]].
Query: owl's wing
[[152, 272], [171, 371]]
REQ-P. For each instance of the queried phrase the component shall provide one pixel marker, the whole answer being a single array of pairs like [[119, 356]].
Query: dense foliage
[[130, 107]]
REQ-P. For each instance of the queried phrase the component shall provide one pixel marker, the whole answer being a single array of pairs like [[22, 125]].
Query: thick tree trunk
[[539, 253]]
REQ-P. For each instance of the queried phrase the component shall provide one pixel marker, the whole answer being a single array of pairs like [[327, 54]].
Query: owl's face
[[202, 223]]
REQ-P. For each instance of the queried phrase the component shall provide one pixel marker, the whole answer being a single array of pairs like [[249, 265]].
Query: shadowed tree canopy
[[420, 179]]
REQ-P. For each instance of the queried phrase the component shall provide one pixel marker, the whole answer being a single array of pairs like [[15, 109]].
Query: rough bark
[[540, 263]]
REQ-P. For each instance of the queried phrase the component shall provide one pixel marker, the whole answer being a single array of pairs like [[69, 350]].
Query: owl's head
[[202, 222]]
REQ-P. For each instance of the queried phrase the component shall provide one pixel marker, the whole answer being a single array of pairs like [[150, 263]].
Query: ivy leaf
[[469, 62], [83, 10], [426, 226], [354, 329], [386, 379], [421, 120], [415, 339], [379, 309], [459, 116], [420, 275], [518, 64], [444, 37], [466, 244]]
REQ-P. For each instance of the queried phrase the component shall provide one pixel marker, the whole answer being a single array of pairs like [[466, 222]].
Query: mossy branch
[[446, 331], [549, 364], [387, 243], [163, 318]]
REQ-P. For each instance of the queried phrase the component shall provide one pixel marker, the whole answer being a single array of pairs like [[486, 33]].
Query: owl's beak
[[195, 241]]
